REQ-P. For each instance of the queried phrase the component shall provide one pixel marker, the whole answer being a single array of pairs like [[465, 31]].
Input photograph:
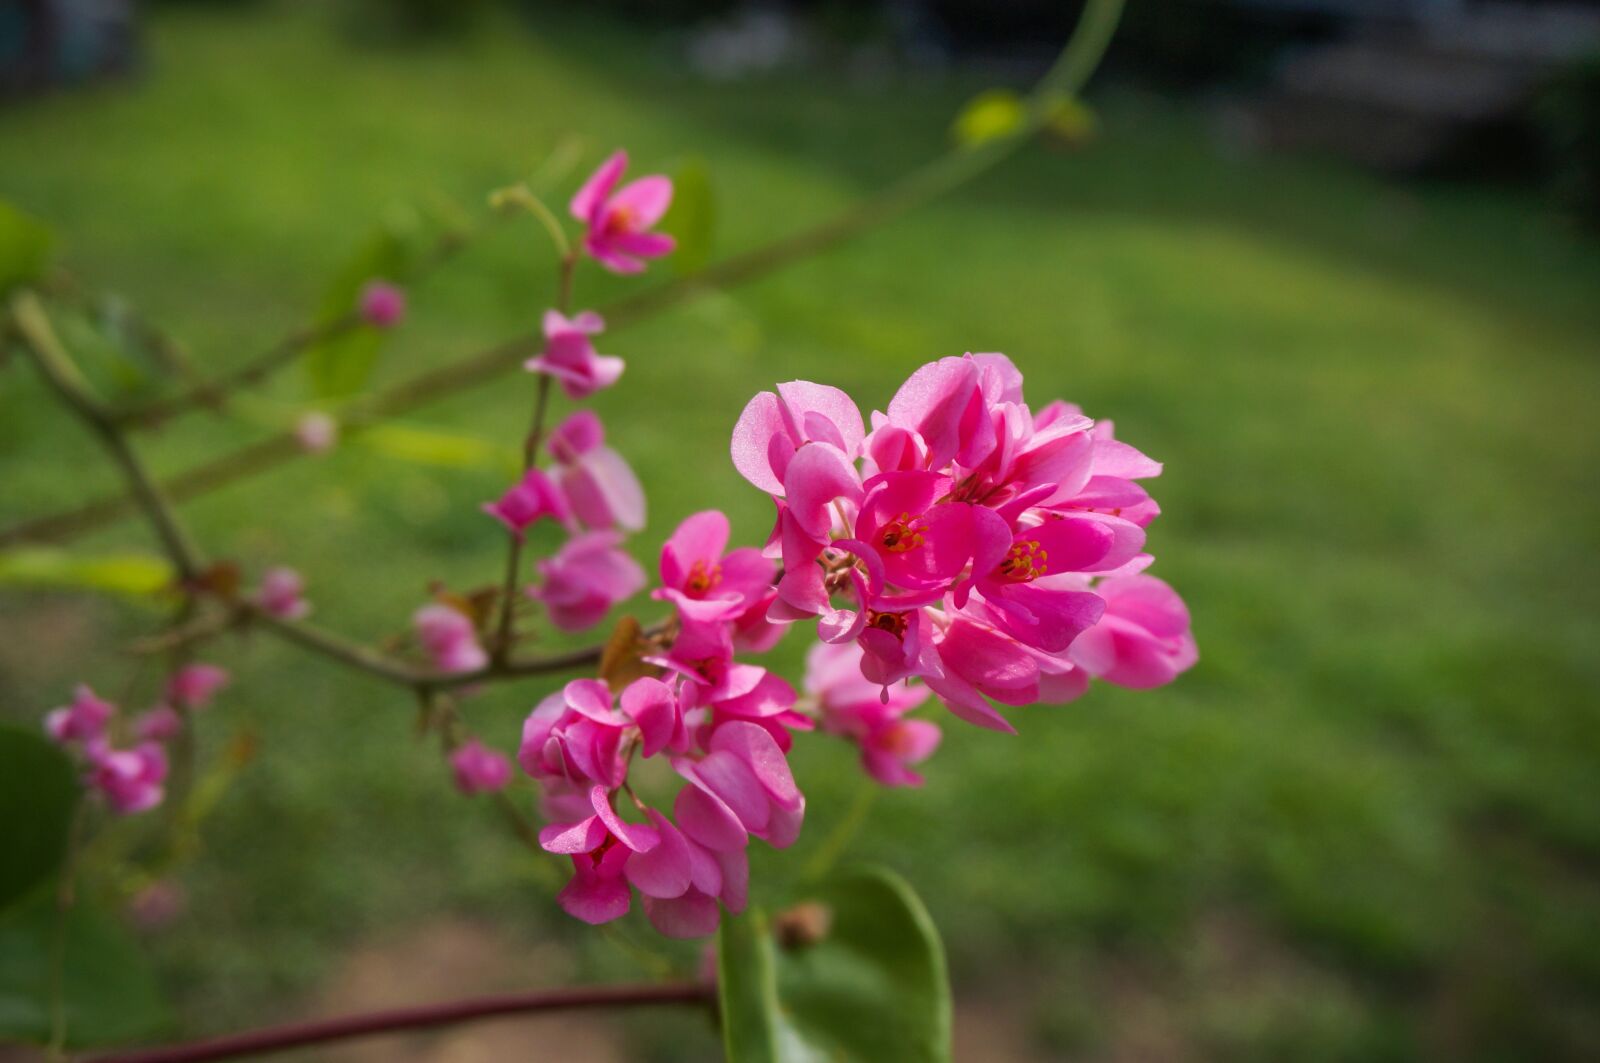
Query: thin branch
[[39, 340], [420, 1017], [937, 178], [280, 355]]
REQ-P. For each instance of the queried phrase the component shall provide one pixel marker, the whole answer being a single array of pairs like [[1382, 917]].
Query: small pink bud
[[129, 779], [479, 769], [84, 720], [449, 639], [193, 685], [281, 594], [158, 725], [158, 905], [316, 433], [383, 305]]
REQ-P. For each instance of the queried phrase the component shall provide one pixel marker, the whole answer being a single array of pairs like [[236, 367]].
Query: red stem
[[419, 1017]]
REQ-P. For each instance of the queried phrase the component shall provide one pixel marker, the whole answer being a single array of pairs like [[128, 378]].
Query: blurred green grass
[[1366, 826]]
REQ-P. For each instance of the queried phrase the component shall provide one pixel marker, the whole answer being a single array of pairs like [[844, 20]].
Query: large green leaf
[[860, 977], [25, 244], [747, 989], [341, 364], [692, 217], [136, 575], [38, 792], [107, 992]]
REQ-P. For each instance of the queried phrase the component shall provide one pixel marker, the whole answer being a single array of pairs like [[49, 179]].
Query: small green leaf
[[25, 245], [38, 792], [429, 446], [108, 994], [340, 365], [860, 978], [990, 115], [692, 217], [747, 989], [135, 575]]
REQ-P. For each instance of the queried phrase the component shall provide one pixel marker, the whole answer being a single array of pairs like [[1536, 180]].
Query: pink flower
[[701, 580], [193, 685], [570, 357], [575, 736], [774, 427], [1143, 640], [159, 724], [129, 779], [600, 846], [316, 432], [281, 594], [448, 638], [479, 769], [617, 223], [869, 714], [527, 501], [600, 487], [382, 304], [83, 720], [585, 578]]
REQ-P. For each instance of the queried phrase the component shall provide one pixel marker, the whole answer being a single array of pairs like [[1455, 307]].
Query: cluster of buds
[[131, 776]]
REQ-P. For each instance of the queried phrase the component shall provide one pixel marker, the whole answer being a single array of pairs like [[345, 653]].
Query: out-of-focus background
[[1331, 260]]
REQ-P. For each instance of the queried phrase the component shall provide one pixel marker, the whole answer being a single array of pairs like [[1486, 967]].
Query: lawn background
[[1367, 825]]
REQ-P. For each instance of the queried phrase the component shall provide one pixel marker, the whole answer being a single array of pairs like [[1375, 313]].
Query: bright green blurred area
[[1367, 825]]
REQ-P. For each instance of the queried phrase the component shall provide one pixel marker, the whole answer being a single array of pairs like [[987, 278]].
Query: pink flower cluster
[[131, 778], [966, 541], [724, 727]]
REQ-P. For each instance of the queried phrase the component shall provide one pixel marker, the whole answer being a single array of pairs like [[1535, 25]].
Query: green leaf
[[860, 977], [990, 115], [38, 793], [25, 245], [747, 989], [692, 218], [874, 986], [135, 575], [108, 994], [340, 365], [428, 446]]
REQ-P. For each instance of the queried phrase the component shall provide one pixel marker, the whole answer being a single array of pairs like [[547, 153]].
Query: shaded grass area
[[1368, 823]]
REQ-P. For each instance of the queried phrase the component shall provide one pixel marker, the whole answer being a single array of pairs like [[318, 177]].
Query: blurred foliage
[[38, 792], [1568, 113], [1366, 826]]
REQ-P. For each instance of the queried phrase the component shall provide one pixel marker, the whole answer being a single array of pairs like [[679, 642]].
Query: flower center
[[901, 534], [1025, 561], [894, 623], [702, 578], [618, 220]]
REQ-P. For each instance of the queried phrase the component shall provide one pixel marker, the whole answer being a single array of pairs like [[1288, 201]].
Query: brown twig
[[418, 1017]]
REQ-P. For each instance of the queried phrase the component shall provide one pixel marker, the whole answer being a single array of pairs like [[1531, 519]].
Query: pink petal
[[645, 200], [693, 915], [664, 871], [598, 187], [584, 836], [755, 747]]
